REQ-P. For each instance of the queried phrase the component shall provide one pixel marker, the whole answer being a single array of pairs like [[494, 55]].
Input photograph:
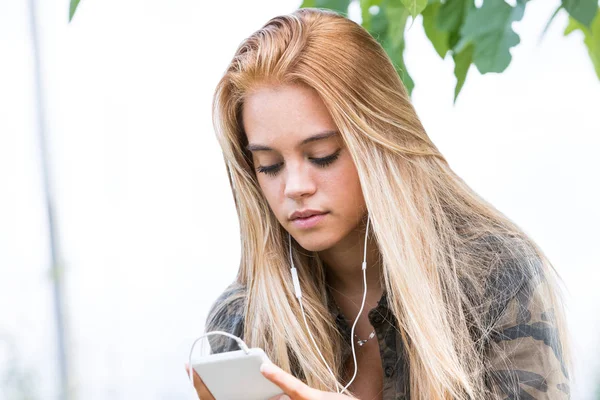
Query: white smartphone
[[235, 375]]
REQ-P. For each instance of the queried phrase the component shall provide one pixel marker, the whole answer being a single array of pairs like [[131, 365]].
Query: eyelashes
[[319, 162]]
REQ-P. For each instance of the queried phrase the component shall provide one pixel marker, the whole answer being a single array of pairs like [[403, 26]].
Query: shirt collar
[[382, 305]]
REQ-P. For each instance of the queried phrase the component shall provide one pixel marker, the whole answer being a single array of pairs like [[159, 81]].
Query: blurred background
[[117, 224]]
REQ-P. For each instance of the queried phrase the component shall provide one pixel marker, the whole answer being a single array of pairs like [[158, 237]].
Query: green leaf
[[379, 25], [489, 28], [73, 8], [591, 38], [387, 27], [462, 62], [582, 10], [414, 7], [394, 42], [365, 8], [438, 38], [398, 59], [397, 16], [340, 6], [572, 26], [550, 21], [451, 17]]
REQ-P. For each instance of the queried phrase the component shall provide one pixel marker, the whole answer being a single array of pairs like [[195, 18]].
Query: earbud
[[294, 271], [299, 296]]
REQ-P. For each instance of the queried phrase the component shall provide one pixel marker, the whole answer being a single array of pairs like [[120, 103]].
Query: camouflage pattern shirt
[[524, 352]]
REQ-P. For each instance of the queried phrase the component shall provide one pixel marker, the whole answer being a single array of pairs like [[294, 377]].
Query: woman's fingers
[[289, 384], [201, 389]]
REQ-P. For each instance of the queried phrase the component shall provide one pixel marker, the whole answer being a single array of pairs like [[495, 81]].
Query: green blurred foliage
[[471, 35], [480, 36], [591, 39], [72, 7]]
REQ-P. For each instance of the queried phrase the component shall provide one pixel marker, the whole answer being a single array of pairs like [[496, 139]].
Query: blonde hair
[[437, 238]]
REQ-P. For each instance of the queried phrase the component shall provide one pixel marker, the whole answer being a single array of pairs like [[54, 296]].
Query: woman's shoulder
[[227, 314], [524, 350], [514, 274], [501, 270], [502, 266]]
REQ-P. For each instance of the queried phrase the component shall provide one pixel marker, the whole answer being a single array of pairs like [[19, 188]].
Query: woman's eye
[[325, 161], [270, 170], [320, 162]]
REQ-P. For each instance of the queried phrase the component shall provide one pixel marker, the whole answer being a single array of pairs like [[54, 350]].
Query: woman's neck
[[343, 265]]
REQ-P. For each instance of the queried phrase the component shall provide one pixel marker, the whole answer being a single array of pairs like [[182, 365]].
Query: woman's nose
[[299, 181]]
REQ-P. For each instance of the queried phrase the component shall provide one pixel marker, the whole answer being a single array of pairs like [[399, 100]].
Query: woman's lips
[[309, 222]]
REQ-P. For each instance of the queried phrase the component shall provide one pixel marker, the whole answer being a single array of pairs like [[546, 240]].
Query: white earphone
[[299, 296], [298, 291]]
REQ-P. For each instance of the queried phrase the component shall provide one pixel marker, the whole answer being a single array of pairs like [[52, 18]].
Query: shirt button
[[389, 371]]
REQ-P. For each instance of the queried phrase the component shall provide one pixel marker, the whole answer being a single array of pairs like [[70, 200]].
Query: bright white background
[[146, 220]]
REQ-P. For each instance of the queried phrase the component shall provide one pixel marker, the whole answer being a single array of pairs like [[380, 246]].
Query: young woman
[[320, 140]]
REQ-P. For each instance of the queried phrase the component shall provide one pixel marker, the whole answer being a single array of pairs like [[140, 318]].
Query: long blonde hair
[[432, 230]]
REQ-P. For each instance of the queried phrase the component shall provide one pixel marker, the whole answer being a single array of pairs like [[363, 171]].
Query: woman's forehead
[[286, 114]]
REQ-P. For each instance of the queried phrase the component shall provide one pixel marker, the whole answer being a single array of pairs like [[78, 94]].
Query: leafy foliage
[[582, 11], [591, 38], [72, 7], [493, 39], [340, 6], [439, 38], [479, 35], [482, 36], [414, 6]]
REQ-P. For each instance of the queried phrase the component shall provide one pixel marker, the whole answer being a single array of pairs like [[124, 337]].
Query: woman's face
[[302, 164]]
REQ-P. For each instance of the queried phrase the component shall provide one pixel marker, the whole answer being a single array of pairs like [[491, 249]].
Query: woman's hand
[[294, 388], [201, 389]]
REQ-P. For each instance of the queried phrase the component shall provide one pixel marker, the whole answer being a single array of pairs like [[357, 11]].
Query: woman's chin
[[314, 240]]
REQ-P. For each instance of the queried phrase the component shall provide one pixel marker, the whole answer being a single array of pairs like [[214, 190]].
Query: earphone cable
[[364, 270], [239, 341]]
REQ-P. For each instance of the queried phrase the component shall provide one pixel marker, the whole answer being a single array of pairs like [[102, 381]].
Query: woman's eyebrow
[[319, 136]]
